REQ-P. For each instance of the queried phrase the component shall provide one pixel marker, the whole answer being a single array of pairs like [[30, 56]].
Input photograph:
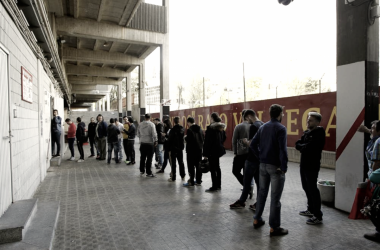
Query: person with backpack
[[213, 149], [194, 144], [176, 149], [80, 134]]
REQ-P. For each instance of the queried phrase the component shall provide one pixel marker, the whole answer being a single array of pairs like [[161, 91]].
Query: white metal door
[[5, 140]]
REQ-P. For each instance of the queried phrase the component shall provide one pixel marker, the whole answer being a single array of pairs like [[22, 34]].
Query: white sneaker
[[80, 160], [72, 159]]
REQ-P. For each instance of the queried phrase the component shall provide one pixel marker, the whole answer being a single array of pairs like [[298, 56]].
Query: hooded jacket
[[194, 140], [311, 145], [176, 135], [147, 132], [113, 133], [214, 139], [80, 134]]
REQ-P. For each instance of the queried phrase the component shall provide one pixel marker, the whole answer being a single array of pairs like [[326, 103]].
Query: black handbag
[[204, 166]]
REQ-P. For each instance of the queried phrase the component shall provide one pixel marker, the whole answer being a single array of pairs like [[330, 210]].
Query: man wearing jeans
[[56, 129], [148, 140], [269, 145], [71, 137], [160, 145], [113, 133], [101, 137]]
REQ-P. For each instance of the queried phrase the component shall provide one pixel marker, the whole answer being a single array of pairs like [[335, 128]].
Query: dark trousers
[[177, 156], [130, 150], [80, 149], [376, 223], [309, 178], [237, 166], [92, 145], [115, 147], [216, 173], [166, 159], [193, 160], [56, 139], [251, 170], [125, 146], [102, 142], [71, 145], [146, 156]]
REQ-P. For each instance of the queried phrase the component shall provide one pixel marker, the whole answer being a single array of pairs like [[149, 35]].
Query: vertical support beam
[[164, 66], [108, 102], [357, 96], [103, 104], [120, 101], [142, 104], [129, 95]]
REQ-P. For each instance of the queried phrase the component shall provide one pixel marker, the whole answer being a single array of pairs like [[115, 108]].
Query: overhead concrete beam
[[76, 8], [94, 88], [126, 50], [101, 9], [127, 10], [147, 52], [86, 28], [56, 6], [78, 43], [133, 12], [96, 42], [94, 71], [99, 56], [84, 80]]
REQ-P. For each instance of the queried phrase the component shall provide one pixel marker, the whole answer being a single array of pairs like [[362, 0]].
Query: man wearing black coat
[[194, 144], [113, 133], [159, 150], [80, 134], [176, 147], [101, 137], [91, 137], [311, 145]]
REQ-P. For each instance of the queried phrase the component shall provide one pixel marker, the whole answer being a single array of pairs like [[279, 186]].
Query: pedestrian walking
[[310, 146], [148, 140], [113, 133], [213, 149], [269, 145], [56, 130], [194, 145], [71, 137], [101, 137], [80, 135]]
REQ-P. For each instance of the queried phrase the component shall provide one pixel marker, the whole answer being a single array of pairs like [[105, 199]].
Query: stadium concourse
[[112, 207]]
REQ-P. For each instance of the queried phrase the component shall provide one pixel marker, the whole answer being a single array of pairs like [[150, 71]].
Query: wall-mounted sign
[[26, 86]]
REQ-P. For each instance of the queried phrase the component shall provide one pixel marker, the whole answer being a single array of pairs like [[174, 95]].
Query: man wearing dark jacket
[[56, 130], [80, 138], [194, 144], [176, 147], [131, 132], [101, 137], [113, 133], [91, 137], [311, 145], [160, 146], [269, 145]]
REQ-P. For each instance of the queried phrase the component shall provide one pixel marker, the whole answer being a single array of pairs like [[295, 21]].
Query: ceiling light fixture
[[105, 44]]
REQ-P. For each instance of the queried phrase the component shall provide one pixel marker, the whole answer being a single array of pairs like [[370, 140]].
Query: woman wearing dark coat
[[213, 149]]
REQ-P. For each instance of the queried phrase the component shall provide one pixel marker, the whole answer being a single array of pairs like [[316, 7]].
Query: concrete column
[[129, 96], [103, 104], [164, 66], [120, 102], [93, 106], [142, 104], [108, 102], [357, 96]]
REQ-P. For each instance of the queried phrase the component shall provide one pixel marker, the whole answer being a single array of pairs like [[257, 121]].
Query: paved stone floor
[[112, 207]]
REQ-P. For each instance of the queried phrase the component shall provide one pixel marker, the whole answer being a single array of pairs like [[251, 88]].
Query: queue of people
[[260, 156]]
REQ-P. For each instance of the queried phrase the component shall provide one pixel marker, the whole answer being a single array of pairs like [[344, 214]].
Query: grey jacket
[[241, 131], [147, 132]]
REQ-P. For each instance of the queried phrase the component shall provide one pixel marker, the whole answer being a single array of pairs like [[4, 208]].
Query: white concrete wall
[[27, 170]]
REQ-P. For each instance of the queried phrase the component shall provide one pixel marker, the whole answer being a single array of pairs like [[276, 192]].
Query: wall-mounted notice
[[26, 86]]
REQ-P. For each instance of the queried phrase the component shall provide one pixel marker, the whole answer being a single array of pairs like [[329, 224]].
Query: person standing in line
[[125, 139], [148, 140], [101, 137], [71, 137], [113, 133], [80, 134], [213, 149], [131, 141], [160, 145], [167, 158], [120, 136], [252, 164], [91, 137], [375, 134], [56, 130], [310, 146], [176, 149], [194, 144], [240, 134], [269, 145]]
